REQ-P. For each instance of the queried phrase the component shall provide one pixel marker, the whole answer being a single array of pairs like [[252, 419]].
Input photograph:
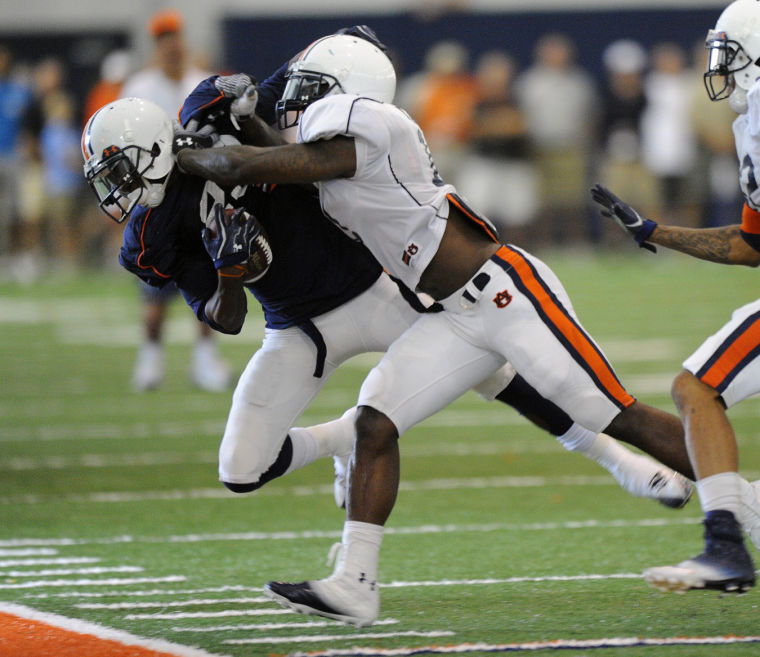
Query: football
[[261, 258], [261, 252]]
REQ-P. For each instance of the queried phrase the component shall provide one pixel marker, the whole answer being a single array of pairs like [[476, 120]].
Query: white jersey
[[396, 202], [747, 136]]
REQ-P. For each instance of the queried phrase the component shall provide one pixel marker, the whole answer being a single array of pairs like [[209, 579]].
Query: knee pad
[[277, 469]]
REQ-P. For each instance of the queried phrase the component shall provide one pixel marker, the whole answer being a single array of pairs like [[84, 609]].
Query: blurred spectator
[[558, 100], [59, 141], [114, 70], [623, 102], [721, 198], [166, 82], [14, 100], [668, 142], [442, 104], [497, 177]]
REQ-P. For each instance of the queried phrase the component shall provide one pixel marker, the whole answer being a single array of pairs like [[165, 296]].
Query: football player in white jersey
[[725, 369], [378, 182]]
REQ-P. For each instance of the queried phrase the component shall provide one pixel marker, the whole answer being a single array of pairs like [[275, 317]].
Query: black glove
[[191, 136], [364, 32], [637, 226], [232, 241]]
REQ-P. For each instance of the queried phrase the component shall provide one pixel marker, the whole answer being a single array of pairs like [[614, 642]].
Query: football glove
[[242, 89], [191, 136], [637, 226], [232, 241]]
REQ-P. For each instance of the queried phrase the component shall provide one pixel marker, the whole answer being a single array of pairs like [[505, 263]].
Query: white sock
[[360, 552], [305, 448], [721, 491], [632, 471], [332, 438]]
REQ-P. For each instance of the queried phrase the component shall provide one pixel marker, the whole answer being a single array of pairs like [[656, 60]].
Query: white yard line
[[309, 534], [321, 638], [210, 614], [261, 627], [530, 646], [127, 581], [176, 603], [452, 483], [70, 571]]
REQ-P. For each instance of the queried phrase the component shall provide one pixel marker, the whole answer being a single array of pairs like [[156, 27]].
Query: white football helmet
[[734, 59], [127, 149], [336, 64]]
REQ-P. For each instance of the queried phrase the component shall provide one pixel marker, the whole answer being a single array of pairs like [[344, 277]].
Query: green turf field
[[111, 512]]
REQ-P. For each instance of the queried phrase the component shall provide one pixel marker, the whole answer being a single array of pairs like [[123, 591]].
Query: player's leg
[[426, 369], [150, 365], [637, 474], [721, 373]]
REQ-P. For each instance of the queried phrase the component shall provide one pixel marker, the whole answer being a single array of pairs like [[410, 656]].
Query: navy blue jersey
[[316, 268]]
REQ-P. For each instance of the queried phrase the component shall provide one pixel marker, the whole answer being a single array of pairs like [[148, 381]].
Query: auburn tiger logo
[[502, 299]]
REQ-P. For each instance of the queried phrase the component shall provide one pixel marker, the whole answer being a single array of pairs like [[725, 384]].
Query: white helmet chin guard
[[734, 59], [127, 150], [336, 64]]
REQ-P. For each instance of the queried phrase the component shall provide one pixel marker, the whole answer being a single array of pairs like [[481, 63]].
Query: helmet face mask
[[302, 89], [128, 158], [733, 65], [117, 182], [336, 64], [725, 58]]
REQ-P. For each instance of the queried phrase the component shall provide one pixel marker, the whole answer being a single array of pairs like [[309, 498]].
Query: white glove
[[242, 88]]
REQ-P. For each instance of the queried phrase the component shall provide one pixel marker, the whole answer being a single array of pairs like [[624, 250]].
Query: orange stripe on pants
[[584, 347], [733, 356]]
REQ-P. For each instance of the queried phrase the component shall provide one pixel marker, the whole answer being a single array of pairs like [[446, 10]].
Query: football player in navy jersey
[[325, 298]]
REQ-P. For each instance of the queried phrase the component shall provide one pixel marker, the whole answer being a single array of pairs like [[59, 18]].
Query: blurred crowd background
[[522, 126]]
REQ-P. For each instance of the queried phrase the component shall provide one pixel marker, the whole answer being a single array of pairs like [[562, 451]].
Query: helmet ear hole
[[155, 150]]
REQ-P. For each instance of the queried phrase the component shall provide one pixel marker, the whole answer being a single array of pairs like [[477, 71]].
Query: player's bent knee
[[688, 389], [277, 469], [374, 430]]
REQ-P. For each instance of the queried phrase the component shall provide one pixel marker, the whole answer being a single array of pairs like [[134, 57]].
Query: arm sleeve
[[270, 91], [348, 116], [751, 227]]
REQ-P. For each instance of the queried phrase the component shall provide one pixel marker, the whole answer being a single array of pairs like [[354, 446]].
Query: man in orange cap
[[167, 82]]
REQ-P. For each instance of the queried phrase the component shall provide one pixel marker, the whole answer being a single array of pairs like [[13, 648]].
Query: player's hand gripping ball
[[238, 244]]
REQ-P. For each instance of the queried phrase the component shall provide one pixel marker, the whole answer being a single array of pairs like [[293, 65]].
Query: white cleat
[[724, 565], [150, 367], [670, 488], [209, 372], [356, 605], [340, 483], [750, 511]]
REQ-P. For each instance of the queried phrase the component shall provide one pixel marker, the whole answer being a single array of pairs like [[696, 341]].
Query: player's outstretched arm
[[292, 163], [723, 245]]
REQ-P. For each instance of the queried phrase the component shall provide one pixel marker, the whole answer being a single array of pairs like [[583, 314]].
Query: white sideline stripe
[[316, 533], [45, 583], [531, 646], [152, 592], [511, 580], [163, 605], [209, 614], [29, 552], [71, 571], [273, 626], [335, 637], [61, 561], [20, 463], [103, 632], [458, 483]]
